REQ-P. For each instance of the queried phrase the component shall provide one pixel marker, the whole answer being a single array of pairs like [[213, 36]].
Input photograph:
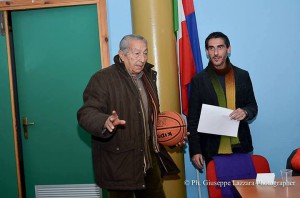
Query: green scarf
[[227, 101]]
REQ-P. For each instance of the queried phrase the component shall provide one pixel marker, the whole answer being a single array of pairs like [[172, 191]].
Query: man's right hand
[[113, 121], [198, 160]]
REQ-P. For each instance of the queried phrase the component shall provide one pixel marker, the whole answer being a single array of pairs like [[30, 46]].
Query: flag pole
[[188, 55]]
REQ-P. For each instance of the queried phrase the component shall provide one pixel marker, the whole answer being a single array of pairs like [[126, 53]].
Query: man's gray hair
[[124, 43]]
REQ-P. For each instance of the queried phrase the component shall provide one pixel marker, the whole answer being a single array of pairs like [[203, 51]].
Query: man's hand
[[113, 121], [238, 114], [183, 142], [198, 160]]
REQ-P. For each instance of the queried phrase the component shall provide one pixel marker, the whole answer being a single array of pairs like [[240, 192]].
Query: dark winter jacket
[[118, 159]]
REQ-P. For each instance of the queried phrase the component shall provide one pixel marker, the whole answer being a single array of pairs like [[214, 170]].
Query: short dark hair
[[217, 35]]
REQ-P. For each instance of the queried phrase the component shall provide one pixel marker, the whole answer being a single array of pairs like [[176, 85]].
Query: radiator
[[67, 191]]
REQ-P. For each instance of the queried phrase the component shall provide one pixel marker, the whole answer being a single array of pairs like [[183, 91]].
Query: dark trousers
[[153, 181]]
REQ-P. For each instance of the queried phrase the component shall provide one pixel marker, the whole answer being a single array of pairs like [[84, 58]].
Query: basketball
[[171, 128]]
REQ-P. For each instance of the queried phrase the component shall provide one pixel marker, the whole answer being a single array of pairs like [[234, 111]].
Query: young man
[[220, 84]]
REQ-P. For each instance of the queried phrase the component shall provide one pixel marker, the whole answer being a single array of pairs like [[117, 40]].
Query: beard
[[221, 70]]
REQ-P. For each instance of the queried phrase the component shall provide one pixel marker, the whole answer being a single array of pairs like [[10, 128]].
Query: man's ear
[[207, 56], [229, 50], [121, 55]]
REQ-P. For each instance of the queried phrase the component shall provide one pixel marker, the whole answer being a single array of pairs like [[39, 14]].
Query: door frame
[[7, 7]]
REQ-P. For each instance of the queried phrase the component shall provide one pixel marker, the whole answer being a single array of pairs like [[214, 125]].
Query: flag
[[188, 47]]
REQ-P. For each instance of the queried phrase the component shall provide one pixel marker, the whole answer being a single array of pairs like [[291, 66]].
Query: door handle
[[25, 126]]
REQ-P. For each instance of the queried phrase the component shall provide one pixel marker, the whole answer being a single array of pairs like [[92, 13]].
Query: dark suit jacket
[[202, 92]]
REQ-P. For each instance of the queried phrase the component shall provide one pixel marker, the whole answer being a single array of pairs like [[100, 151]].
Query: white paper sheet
[[216, 120], [265, 178]]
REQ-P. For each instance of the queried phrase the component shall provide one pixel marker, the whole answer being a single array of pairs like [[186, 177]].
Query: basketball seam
[[172, 127]]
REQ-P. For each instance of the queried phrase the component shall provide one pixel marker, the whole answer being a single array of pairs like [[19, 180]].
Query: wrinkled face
[[136, 56], [217, 52]]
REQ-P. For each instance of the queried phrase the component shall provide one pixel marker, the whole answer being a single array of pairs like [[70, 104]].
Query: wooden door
[[56, 52]]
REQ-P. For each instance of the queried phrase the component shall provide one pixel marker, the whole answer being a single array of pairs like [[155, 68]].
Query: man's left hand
[[238, 114]]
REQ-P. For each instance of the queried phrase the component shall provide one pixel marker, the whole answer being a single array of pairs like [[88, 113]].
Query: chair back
[[260, 163]]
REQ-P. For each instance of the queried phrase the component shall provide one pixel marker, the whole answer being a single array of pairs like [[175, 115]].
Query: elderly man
[[120, 110]]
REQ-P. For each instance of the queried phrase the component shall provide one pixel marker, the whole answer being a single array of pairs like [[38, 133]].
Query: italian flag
[[188, 48]]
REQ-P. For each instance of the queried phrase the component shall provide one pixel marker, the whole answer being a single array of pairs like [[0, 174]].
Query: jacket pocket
[[118, 165]]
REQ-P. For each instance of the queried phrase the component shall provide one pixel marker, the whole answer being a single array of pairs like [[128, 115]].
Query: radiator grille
[[65, 191]]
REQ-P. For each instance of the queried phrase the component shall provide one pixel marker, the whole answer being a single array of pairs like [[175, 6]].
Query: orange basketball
[[171, 128]]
